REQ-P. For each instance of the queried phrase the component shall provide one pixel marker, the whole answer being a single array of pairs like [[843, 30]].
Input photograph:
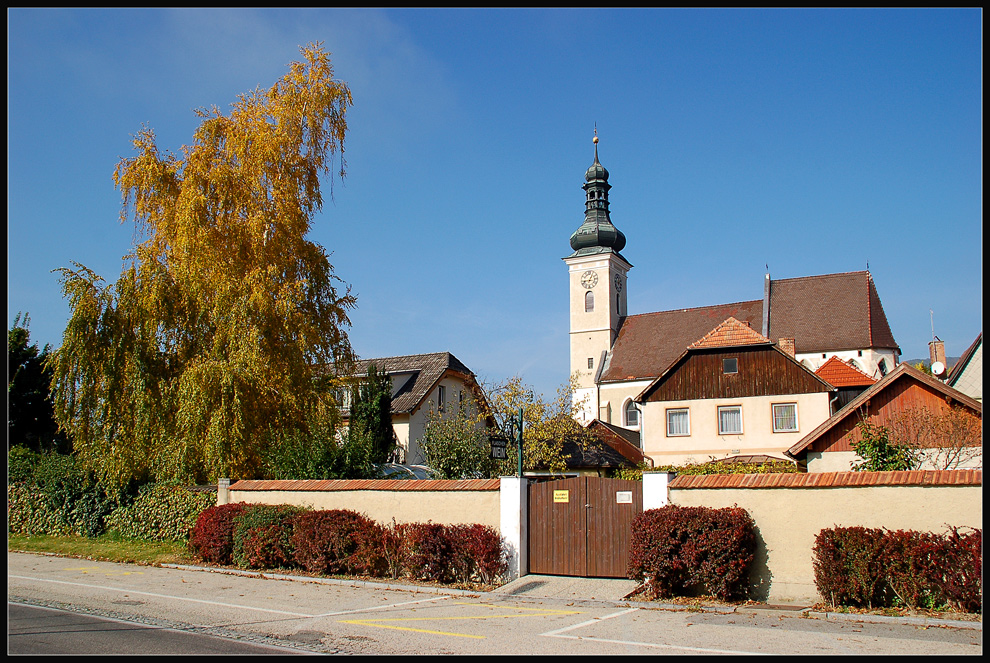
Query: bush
[[29, 512], [160, 512], [54, 496], [856, 566], [212, 537], [337, 541], [263, 536], [684, 550], [429, 553], [476, 553], [962, 569], [850, 564]]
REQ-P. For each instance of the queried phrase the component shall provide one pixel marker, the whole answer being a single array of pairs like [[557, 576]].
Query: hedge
[[333, 542], [677, 550], [873, 568]]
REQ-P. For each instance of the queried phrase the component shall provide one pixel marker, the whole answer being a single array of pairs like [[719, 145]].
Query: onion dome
[[597, 234]]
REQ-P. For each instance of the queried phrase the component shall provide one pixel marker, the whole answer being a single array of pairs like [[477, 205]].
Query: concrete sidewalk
[[565, 587]]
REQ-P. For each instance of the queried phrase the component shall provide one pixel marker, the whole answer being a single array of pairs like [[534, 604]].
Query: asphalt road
[[32, 630], [340, 617]]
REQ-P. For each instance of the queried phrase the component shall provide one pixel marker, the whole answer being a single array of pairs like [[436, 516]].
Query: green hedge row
[[50, 494]]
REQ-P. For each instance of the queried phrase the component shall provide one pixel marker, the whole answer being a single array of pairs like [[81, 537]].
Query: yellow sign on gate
[[561, 496]]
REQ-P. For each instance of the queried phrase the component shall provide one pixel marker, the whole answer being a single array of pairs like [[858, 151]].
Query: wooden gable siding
[[904, 394], [762, 371]]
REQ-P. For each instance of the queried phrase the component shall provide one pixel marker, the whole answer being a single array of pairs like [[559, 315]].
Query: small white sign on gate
[[623, 497]]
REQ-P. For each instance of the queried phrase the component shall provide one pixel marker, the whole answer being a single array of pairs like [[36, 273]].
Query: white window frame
[[626, 407], [667, 414], [773, 415], [725, 408]]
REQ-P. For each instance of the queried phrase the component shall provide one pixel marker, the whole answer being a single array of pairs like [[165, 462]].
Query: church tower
[[597, 282]]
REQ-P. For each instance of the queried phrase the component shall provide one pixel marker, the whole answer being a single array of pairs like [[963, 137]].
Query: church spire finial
[[595, 141]]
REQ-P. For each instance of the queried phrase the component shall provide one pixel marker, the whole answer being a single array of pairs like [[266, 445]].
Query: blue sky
[[812, 141]]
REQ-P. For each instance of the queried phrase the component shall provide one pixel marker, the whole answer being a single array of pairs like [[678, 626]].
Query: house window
[[882, 367], [785, 418], [441, 397], [678, 422], [591, 363], [730, 420], [730, 365], [632, 414], [589, 302]]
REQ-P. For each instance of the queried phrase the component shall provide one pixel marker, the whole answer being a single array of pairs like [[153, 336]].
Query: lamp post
[[519, 441]]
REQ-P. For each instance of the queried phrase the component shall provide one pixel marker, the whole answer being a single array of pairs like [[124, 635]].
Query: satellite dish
[[938, 368]]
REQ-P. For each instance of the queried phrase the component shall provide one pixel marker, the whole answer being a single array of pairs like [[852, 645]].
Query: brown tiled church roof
[[821, 313], [829, 312], [648, 343]]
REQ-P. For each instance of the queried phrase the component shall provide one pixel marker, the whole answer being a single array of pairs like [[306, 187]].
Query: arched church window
[[632, 414], [589, 302]]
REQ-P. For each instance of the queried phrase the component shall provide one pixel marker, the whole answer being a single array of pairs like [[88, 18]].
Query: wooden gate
[[581, 526]]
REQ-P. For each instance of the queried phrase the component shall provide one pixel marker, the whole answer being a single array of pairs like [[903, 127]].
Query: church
[[716, 381]]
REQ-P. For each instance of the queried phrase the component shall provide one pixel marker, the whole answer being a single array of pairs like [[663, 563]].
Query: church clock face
[[589, 279]]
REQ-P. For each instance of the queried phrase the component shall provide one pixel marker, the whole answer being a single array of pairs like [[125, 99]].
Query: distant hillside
[[949, 362]]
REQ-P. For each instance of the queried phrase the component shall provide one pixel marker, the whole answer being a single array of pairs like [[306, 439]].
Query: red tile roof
[[730, 334], [832, 479], [840, 374]]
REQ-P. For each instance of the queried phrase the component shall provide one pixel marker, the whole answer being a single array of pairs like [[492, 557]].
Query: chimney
[[787, 345], [936, 350]]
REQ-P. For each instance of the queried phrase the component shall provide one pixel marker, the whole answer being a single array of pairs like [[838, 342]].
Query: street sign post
[[499, 448]]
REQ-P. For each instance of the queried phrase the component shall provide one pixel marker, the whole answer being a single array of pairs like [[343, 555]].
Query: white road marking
[[558, 634], [229, 605], [589, 622]]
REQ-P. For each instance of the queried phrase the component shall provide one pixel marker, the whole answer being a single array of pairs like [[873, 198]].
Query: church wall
[[865, 360]]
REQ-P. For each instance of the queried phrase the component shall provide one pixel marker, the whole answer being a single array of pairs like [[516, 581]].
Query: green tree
[[456, 444], [371, 416], [212, 343], [878, 453], [30, 414], [547, 423]]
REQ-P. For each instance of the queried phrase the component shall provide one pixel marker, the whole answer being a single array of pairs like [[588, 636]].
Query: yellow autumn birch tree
[[213, 340]]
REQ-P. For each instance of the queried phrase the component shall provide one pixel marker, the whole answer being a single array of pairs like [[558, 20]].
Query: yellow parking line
[[534, 612]]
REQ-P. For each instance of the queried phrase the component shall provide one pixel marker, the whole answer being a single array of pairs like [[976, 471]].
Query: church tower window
[[589, 302]]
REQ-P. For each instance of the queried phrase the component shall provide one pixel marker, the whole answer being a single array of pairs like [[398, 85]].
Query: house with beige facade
[[422, 384], [616, 355], [732, 392]]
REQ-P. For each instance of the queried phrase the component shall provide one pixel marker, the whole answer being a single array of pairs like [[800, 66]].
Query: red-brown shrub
[[477, 553], [263, 536], [337, 541], [212, 537], [962, 569], [849, 564], [681, 550], [429, 551], [857, 566]]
